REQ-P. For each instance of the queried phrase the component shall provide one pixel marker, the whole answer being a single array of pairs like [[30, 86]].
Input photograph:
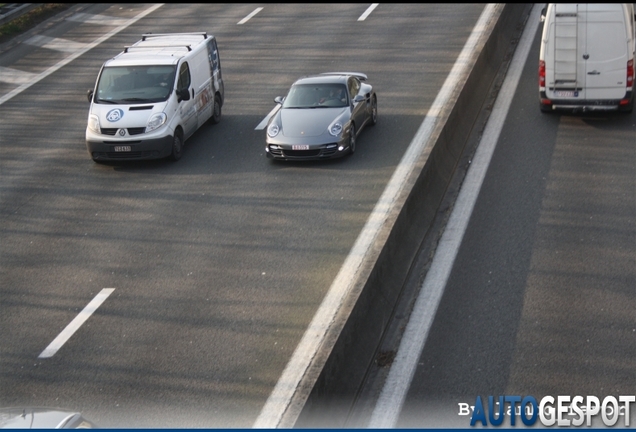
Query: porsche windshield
[[316, 96], [135, 84]]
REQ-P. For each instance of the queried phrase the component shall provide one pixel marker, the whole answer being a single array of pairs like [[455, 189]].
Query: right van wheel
[[628, 108], [177, 146], [216, 114]]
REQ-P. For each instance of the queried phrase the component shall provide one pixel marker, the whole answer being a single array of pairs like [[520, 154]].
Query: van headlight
[[93, 123], [157, 120], [273, 130], [335, 129]]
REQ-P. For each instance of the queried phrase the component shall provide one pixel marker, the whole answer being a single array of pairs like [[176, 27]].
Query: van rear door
[[605, 50], [565, 70]]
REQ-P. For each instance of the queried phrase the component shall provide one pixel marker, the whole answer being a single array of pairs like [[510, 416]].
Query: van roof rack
[[126, 48], [145, 35]]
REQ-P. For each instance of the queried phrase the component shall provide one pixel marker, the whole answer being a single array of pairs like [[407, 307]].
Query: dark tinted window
[[354, 87], [184, 77]]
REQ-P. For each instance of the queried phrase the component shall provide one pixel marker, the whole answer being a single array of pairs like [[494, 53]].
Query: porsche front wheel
[[352, 139], [374, 111]]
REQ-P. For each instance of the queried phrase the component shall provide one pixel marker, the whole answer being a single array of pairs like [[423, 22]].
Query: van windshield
[[135, 84]]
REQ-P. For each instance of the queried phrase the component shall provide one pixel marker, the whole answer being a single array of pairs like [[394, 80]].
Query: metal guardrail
[[11, 11]]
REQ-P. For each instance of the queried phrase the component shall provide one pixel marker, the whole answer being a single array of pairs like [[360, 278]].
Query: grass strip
[[30, 19]]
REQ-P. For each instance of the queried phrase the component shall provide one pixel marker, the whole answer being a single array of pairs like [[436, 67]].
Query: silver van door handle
[[594, 73]]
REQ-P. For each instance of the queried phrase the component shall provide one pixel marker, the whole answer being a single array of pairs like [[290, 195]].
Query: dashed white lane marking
[[74, 325], [280, 400], [15, 76], [393, 395], [56, 44], [35, 79], [368, 11], [97, 19], [263, 122], [250, 16]]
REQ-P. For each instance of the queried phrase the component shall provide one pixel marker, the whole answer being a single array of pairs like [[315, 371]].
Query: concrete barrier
[[331, 384]]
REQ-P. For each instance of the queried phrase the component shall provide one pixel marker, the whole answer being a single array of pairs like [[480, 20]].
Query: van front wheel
[[177, 146], [216, 114]]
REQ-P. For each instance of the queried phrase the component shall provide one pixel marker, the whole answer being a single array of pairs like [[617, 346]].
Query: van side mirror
[[183, 95], [89, 95], [543, 13], [279, 99]]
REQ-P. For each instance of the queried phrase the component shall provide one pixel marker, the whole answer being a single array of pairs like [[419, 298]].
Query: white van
[[153, 96], [587, 57]]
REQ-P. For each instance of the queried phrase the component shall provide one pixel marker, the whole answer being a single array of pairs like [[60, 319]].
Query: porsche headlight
[[273, 130], [157, 120], [335, 129], [93, 124]]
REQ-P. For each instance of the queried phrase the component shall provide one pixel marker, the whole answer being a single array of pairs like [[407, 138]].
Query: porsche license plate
[[300, 147], [122, 148]]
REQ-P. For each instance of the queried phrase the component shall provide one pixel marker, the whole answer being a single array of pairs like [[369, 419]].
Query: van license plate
[[566, 93], [300, 147], [122, 148]]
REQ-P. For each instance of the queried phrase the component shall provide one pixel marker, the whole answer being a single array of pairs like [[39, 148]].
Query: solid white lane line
[[280, 399], [263, 122], [391, 400], [368, 11], [74, 325], [72, 57], [247, 18], [56, 44]]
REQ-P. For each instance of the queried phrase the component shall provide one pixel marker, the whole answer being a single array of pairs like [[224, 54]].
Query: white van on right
[[587, 53]]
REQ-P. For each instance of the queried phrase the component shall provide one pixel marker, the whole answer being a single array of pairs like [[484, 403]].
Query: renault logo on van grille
[[122, 132]]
